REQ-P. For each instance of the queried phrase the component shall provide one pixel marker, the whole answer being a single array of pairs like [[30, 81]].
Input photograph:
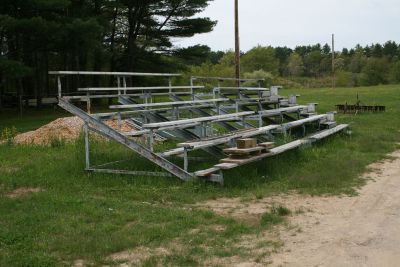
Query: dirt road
[[330, 231], [349, 231]]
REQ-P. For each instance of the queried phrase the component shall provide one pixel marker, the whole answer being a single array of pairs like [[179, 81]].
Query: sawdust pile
[[66, 129]]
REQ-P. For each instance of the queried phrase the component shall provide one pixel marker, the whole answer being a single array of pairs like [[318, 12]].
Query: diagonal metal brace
[[118, 137]]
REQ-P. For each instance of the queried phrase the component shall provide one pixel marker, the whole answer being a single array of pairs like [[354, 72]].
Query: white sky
[[301, 22]]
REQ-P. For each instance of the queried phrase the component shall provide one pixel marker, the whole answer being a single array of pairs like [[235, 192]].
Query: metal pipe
[[127, 74], [87, 145]]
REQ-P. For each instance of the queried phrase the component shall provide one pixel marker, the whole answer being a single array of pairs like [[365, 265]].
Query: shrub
[[259, 74], [346, 79], [8, 134]]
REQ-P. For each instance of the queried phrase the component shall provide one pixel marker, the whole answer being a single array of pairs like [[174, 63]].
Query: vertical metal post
[[185, 159], [88, 102], [244, 121], [203, 129], [333, 62], [170, 86], [151, 140], [218, 104], [59, 87], [119, 121], [237, 44], [124, 83], [191, 88], [119, 85], [87, 145]]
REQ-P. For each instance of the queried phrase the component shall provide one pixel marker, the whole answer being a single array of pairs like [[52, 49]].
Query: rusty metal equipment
[[359, 107]]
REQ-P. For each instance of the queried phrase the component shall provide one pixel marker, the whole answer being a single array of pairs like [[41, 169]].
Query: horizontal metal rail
[[298, 123], [85, 97], [201, 119], [125, 172], [243, 88], [225, 79], [227, 138], [326, 133], [279, 111], [120, 74], [100, 89], [149, 111], [163, 104]]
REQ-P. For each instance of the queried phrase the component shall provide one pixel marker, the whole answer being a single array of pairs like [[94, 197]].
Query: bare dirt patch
[[250, 211], [232, 261], [327, 231], [23, 192], [137, 256], [79, 263]]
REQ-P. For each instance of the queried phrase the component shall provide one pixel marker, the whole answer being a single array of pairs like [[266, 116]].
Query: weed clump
[[275, 216], [8, 134], [281, 211]]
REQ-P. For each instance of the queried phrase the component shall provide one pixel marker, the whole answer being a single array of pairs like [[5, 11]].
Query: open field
[[54, 214]]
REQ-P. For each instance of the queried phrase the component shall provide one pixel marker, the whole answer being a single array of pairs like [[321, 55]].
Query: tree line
[[310, 66], [137, 35], [101, 35]]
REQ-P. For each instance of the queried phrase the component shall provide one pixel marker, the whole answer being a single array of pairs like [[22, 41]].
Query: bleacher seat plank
[[227, 138], [268, 145], [226, 166], [243, 151], [207, 172], [100, 89], [200, 119], [163, 104]]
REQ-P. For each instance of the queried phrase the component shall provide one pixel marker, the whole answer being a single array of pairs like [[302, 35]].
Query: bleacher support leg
[[87, 145]]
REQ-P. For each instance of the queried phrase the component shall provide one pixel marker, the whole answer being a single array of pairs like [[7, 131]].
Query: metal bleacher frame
[[242, 112]]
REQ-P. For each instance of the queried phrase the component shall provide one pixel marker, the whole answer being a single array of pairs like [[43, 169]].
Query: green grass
[[275, 216], [31, 119], [85, 216]]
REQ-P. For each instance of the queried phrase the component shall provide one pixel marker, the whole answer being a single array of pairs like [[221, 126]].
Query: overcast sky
[[294, 22]]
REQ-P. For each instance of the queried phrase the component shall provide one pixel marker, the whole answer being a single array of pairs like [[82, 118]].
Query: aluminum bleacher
[[210, 117]]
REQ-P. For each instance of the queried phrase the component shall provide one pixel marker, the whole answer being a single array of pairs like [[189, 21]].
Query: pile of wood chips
[[66, 129]]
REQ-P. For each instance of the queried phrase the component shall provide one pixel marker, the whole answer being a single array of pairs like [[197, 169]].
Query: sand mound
[[67, 129], [63, 128]]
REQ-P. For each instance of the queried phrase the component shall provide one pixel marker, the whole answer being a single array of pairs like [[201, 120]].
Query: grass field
[[89, 217]]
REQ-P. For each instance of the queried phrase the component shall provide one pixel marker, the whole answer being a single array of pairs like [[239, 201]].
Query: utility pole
[[333, 62], [237, 44]]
